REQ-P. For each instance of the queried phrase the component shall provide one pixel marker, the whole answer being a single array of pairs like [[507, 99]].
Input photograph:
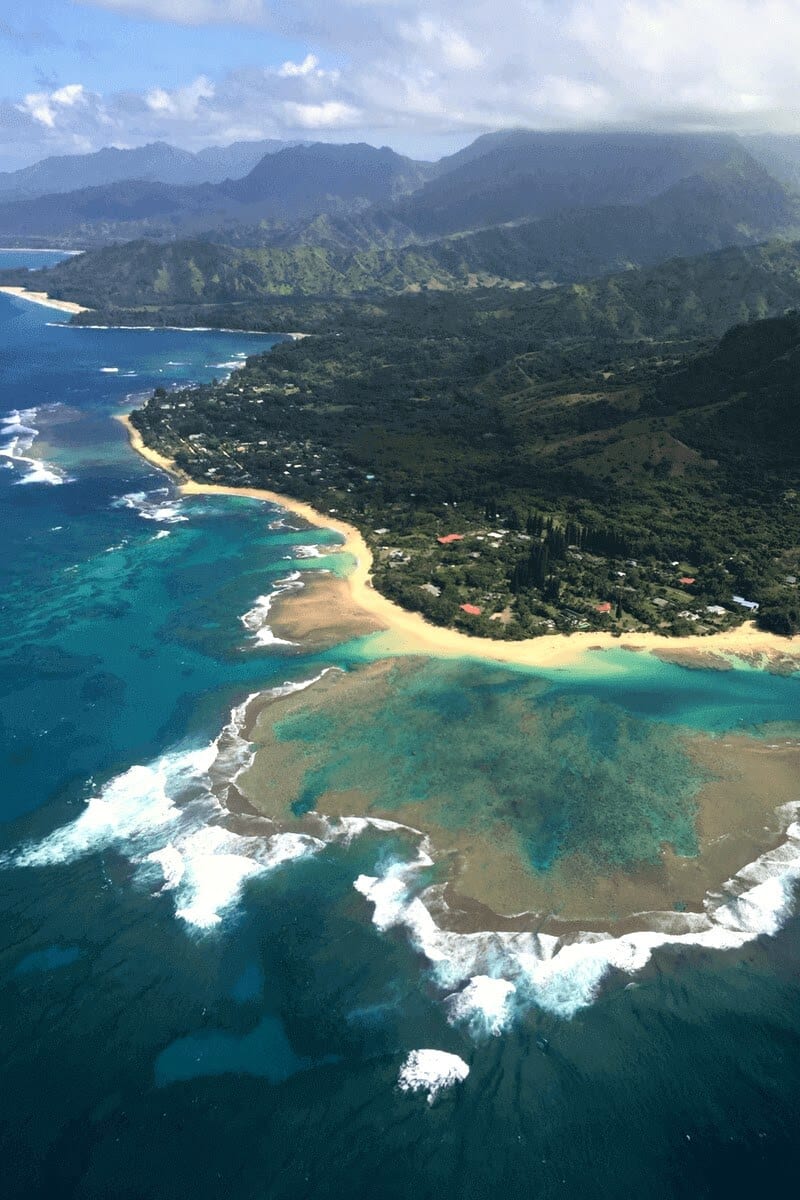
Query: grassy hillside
[[677, 302]]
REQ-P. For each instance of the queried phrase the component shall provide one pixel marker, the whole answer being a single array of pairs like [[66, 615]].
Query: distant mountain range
[[735, 205], [523, 175], [290, 183], [155, 163], [516, 208]]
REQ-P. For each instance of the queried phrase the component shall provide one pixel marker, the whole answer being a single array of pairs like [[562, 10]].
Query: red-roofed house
[[605, 607], [686, 579], [450, 537], [472, 609]]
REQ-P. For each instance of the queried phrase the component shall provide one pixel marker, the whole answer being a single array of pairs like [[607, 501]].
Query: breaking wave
[[160, 504], [18, 432], [432, 1072], [255, 619], [487, 978], [166, 819]]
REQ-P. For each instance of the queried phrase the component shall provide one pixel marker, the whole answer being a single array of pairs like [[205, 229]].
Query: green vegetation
[[603, 461], [598, 477], [366, 255]]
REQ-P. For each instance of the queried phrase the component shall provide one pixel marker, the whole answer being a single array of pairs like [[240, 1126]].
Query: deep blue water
[[181, 1017]]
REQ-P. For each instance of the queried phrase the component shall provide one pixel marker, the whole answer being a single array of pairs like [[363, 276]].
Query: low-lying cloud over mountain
[[410, 74]]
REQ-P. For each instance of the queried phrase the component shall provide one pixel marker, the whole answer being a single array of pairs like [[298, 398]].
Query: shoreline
[[295, 337], [46, 301], [39, 250], [409, 632]]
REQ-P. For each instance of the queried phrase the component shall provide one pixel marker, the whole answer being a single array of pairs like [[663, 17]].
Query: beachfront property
[[750, 605]]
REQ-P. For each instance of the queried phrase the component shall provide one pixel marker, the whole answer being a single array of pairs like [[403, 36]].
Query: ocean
[[257, 988]]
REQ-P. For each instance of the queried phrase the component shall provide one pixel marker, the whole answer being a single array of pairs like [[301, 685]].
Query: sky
[[424, 78]]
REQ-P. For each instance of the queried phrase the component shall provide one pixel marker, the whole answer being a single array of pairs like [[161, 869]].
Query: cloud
[[292, 70], [182, 103], [448, 45], [411, 73], [189, 12], [330, 115], [44, 106]]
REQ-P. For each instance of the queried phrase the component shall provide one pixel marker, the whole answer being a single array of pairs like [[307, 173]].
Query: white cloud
[[409, 72], [330, 115], [451, 47], [44, 106], [292, 70], [183, 103]]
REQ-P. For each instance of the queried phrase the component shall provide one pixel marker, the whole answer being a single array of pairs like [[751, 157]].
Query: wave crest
[[19, 431], [432, 1072], [157, 505], [487, 978]]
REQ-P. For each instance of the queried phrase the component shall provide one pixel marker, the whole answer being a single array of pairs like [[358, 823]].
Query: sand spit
[[65, 306]]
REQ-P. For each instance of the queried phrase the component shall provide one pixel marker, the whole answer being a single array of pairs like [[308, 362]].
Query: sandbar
[[42, 298]]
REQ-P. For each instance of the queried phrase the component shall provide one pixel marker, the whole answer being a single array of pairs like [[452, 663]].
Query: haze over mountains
[[514, 208], [155, 163]]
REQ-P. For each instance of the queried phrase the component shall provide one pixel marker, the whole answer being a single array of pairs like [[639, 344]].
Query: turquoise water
[[195, 1004], [612, 752]]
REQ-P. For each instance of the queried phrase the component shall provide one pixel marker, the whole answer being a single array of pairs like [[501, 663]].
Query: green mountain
[[550, 206], [192, 272], [154, 163], [734, 203], [187, 282], [524, 174], [298, 181]]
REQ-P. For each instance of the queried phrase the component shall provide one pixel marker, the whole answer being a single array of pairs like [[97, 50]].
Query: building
[[471, 609], [750, 605], [449, 538]]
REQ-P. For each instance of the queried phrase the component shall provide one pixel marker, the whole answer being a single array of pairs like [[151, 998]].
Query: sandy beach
[[409, 633], [42, 298]]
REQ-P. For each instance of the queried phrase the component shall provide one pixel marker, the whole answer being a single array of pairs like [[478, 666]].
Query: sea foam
[[432, 1072], [18, 432], [487, 978], [255, 619], [156, 505], [166, 820]]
